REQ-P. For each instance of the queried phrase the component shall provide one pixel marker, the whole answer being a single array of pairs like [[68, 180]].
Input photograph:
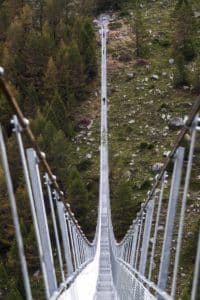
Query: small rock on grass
[[176, 123], [156, 168], [155, 77]]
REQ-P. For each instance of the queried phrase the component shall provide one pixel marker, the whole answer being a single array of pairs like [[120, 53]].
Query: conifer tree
[[183, 44], [180, 75], [196, 77], [185, 29], [140, 33], [59, 157], [6, 224], [78, 195], [87, 45], [122, 206], [75, 68], [57, 113], [50, 80]]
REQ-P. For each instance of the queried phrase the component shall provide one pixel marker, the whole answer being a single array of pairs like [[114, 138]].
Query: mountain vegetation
[[50, 52]]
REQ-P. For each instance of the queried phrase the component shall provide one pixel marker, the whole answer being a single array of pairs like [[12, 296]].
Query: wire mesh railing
[[160, 251], [61, 250]]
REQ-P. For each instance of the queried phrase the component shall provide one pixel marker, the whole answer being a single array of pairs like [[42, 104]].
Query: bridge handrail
[[24, 122], [158, 178]]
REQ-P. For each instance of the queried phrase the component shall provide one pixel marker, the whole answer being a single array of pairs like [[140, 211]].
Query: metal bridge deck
[[105, 288]]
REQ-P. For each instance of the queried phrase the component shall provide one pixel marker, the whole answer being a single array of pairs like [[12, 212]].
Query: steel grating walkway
[[105, 288]]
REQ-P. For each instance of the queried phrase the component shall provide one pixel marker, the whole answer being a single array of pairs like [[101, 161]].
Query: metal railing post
[[196, 276], [174, 193], [134, 243], [69, 223], [146, 236], [183, 208], [15, 217], [42, 219], [157, 224], [17, 130], [65, 236], [48, 184], [80, 249], [129, 248], [76, 245], [140, 224]]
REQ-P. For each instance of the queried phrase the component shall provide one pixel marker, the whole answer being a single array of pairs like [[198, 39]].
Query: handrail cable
[[41, 155]]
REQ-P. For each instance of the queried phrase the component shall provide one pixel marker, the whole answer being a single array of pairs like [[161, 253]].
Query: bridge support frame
[[173, 199], [33, 163], [65, 236], [146, 236]]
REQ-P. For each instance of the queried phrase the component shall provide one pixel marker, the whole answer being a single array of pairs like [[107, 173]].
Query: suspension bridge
[[146, 263]]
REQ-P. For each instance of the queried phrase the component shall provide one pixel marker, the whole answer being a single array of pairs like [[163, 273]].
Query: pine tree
[[140, 33], [57, 114], [183, 44], [50, 80], [196, 77], [185, 29], [62, 66], [38, 48], [87, 46], [180, 76], [76, 76], [122, 205], [6, 224], [78, 195], [38, 7], [59, 157], [54, 12]]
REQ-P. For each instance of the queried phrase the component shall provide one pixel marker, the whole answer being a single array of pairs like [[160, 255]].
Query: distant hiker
[[104, 100], [103, 34]]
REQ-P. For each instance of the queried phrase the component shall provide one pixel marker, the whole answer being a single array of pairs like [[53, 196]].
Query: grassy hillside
[[142, 101]]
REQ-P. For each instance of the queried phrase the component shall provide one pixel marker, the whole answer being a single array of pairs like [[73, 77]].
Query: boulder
[[176, 123]]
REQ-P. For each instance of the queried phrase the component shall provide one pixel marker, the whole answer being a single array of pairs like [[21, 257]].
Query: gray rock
[[37, 273], [1, 71], [156, 168], [127, 174], [130, 76], [89, 155], [155, 77], [164, 74], [171, 61], [197, 14], [161, 228], [176, 123]]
